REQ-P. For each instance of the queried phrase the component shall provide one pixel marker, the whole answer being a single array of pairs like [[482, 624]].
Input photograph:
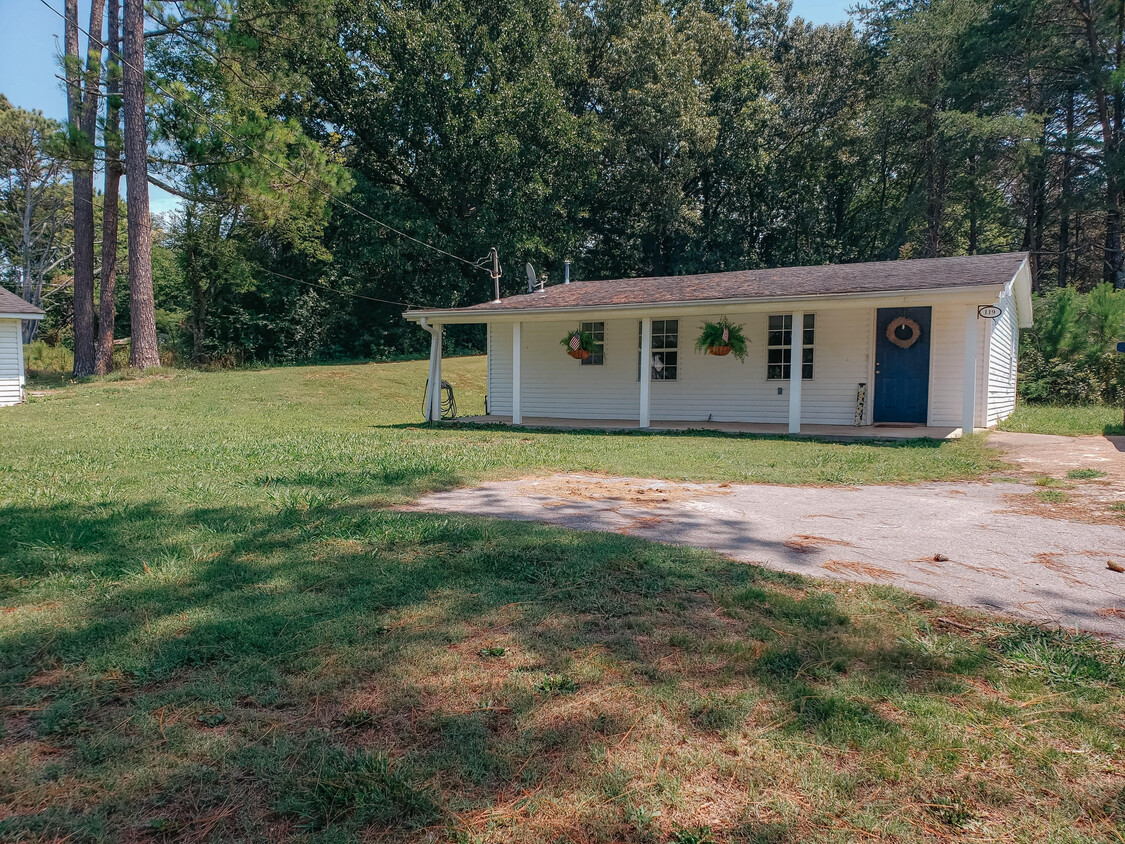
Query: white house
[[13, 309], [924, 343]]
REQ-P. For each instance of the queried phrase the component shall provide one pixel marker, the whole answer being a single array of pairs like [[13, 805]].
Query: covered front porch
[[833, 432], [532, 383]]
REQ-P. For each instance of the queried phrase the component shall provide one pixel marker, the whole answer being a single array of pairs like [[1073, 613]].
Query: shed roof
[[875, 277], [12, 304]]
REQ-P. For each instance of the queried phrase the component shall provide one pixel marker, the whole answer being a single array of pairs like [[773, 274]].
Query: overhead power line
[[333, 289], [481, 264]]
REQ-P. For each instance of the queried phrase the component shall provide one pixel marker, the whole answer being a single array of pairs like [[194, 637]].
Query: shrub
[[1068, 356]]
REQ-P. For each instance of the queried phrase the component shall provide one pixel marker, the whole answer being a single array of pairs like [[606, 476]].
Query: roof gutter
[[39, 315]]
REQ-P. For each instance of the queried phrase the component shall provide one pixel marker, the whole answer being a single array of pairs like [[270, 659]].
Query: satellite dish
[[530, 278]]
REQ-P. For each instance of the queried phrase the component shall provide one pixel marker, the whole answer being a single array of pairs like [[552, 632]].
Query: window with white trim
[[665, 362], [597, 354], [779, 347]]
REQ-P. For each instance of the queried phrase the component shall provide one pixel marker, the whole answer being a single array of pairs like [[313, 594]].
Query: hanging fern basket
[[579, 344], [721, 339]]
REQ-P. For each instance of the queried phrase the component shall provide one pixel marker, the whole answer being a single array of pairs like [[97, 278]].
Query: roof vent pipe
[[566, 271]]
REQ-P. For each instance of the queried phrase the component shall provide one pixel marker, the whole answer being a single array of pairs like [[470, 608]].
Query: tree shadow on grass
[[328, 669]]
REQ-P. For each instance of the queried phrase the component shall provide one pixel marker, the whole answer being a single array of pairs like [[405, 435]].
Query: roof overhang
[[22, 316], [983, 294], [1020, 289]]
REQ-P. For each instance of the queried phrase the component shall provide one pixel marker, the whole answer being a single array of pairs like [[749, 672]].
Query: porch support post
[[435, 373], [646, 370], [969, 376], [796, 345], [517, 342]]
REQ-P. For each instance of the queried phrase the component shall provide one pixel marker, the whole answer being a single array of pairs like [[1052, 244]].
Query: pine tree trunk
[[1065, 193], [935, 186], [974, 204], [107, 306], [82, 116], [142, 310]]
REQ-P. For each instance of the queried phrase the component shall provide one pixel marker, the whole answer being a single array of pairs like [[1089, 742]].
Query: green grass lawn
[[213, 627], [1084, 420]]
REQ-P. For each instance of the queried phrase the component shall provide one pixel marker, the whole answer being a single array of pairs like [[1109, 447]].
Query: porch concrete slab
[[835, 432], [962, 543]]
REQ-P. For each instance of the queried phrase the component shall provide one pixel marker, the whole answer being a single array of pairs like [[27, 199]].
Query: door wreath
[[903, 322]]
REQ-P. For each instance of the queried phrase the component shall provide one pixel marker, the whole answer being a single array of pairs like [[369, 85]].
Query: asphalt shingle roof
[[828, 279], [10, 303]]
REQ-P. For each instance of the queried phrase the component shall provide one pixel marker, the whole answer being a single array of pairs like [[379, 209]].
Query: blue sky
[[31, 39]]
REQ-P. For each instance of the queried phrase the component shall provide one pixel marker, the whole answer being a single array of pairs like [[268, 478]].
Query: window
[[780, 347], [597, 355], [664, 365]]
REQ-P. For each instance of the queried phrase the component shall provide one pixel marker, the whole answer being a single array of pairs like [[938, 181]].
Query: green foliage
[[1068, 356], [585, 340], [712, 336], [35, 208], [692, 835], [636, 138], [557, 683]]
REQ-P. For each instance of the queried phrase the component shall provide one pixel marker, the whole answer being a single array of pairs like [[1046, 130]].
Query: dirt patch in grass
[[590, 488]]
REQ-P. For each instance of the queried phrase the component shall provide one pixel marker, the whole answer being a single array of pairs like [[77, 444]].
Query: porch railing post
[[435, 373], [796, 346], [646, 371], [517, 342]]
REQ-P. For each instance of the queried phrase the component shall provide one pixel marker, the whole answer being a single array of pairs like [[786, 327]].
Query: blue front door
[[902, 365]]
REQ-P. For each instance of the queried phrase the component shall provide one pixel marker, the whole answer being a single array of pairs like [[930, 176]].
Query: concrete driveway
[[972, 544]]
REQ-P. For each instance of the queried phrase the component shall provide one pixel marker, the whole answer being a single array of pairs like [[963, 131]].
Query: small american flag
[[726, 335], [575, 342]]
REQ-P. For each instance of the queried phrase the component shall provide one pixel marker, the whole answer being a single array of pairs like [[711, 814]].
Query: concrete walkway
[[962, 543]]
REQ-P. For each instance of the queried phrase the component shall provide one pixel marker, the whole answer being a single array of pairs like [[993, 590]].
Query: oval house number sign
[[988, 311]]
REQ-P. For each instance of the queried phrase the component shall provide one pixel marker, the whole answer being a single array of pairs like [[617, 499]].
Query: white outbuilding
[[923, 347], [13, 310]]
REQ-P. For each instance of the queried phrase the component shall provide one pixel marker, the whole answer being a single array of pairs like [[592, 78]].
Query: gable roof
[[13, 305], [876, 277]]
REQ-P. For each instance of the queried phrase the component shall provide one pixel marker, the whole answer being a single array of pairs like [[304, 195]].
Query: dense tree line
[[631, 136]]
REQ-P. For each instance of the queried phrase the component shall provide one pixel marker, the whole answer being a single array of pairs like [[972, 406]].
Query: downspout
[[429, 403]]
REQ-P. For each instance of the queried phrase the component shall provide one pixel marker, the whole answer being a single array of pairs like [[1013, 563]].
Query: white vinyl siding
[[11, 362], [1003, 351], [500, 369], [722, 388], [947, 361], [555, 384]]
